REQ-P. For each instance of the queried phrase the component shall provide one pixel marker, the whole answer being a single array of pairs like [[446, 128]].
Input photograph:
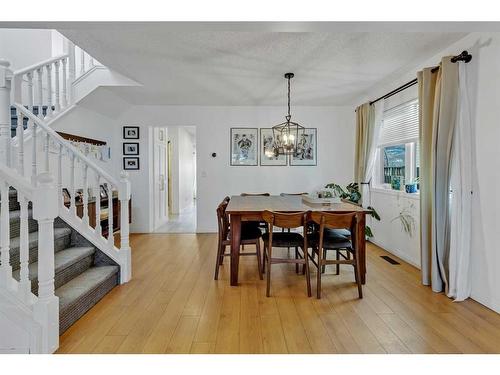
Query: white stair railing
[[76, 171], [49, 152], [44, 308]]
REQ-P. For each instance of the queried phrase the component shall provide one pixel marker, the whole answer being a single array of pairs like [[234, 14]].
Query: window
[[398, 149]]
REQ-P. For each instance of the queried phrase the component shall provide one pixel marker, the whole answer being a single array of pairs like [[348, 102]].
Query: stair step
[[69, 263], [62, 240], [15, 223], [77, 296]]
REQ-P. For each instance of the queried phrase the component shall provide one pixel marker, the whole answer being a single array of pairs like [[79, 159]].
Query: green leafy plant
[[352, 194], [407, 220]]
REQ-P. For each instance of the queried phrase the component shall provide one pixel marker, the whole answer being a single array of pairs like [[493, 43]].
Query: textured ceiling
[[246, 67]]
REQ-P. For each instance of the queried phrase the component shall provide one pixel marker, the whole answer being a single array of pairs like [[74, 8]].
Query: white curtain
[[459, 283], [376, 123]]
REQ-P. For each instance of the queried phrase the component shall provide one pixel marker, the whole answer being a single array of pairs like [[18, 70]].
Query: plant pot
[[411, 188]]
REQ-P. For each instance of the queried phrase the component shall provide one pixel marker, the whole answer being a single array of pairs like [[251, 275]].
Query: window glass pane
[[394, 163]]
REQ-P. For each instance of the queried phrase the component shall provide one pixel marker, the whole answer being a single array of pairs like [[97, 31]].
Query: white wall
[[23, 48], [485, 49], [388, 232], [187, 169], [216, 178]]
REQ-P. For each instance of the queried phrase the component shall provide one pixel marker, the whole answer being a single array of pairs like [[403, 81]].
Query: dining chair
[[287, 239], [325, 240], [250, 235]]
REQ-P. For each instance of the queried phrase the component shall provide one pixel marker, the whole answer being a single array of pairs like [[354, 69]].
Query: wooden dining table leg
[[361, 243], [235, 247]]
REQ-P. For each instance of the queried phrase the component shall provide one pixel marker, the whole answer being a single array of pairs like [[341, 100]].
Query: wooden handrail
[[79, 138]]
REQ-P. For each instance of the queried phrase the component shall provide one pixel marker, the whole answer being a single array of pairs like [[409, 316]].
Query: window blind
[[400, 124]]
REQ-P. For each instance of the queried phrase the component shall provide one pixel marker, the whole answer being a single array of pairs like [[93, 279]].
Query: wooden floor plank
[[173, 305]]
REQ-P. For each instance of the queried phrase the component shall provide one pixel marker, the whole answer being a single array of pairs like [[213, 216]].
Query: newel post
[[69, 48], [5, 87], [125, 253], [46, 309]]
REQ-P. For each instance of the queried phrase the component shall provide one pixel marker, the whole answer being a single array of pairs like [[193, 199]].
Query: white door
[[160, 173]]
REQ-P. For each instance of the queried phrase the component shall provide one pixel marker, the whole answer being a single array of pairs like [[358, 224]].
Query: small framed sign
[[131, 148], [131, 163], [130, 132]]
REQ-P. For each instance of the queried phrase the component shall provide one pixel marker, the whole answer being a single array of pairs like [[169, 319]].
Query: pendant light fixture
[[286, 135]]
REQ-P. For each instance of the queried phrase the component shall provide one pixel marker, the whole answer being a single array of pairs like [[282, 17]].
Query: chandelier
[[286, 135]]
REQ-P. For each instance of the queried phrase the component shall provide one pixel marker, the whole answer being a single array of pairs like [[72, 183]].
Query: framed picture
[[267, 156], [307, 149], [130, 132], [131, 163], [66, 195], [244, 146], [131, 148], [104, 192]]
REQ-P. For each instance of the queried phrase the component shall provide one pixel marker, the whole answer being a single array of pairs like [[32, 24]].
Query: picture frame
[[130, 132], [131, 148], [103, 192], [266, 146], [131, 163], [307, 149], [244, 146]]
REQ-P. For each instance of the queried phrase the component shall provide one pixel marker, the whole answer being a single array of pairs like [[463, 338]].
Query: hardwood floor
[[173, 305]]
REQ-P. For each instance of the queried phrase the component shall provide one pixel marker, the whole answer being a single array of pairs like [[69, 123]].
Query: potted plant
[[352, 194], [412, 186]]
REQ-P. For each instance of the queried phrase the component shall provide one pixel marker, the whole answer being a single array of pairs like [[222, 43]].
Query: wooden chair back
[[292, 194], [222, 220], [255, 194], [334, 221], [286, 220]]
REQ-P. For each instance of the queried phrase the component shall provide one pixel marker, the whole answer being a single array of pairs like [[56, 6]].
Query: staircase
[[82, 273], [54, 266]]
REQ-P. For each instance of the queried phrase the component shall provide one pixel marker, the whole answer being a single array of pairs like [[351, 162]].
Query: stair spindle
[[111, 240], [82, 62], [64, 83], [56, 81], [46, 151], [24, 280], [72, 185], [20, 138], [29, 76], [59, 174], [49, 90], [85, 195], [39, 76], [33, 154], [5, 267], [97, 194]]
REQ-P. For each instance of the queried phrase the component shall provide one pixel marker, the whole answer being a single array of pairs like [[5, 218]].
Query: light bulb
[[292, 138]]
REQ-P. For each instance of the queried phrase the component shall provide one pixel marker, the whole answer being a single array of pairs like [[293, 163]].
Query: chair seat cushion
[[285, 239], [338, 232], [331, 240], [249, 231]]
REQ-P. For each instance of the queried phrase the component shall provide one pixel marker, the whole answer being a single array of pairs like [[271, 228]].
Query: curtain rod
[[464, 56]]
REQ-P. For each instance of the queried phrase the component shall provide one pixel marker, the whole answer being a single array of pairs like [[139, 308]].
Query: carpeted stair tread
[[83, 285], [62, 239], [69, 263], [15, 223], [79, 295]]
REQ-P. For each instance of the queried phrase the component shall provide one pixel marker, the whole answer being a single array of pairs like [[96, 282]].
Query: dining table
[[251, 208]]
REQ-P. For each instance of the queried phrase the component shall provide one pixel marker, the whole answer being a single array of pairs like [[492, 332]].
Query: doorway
[[180, 180]]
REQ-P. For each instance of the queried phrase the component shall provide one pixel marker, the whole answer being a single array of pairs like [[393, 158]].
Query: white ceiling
[[189, 65]]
